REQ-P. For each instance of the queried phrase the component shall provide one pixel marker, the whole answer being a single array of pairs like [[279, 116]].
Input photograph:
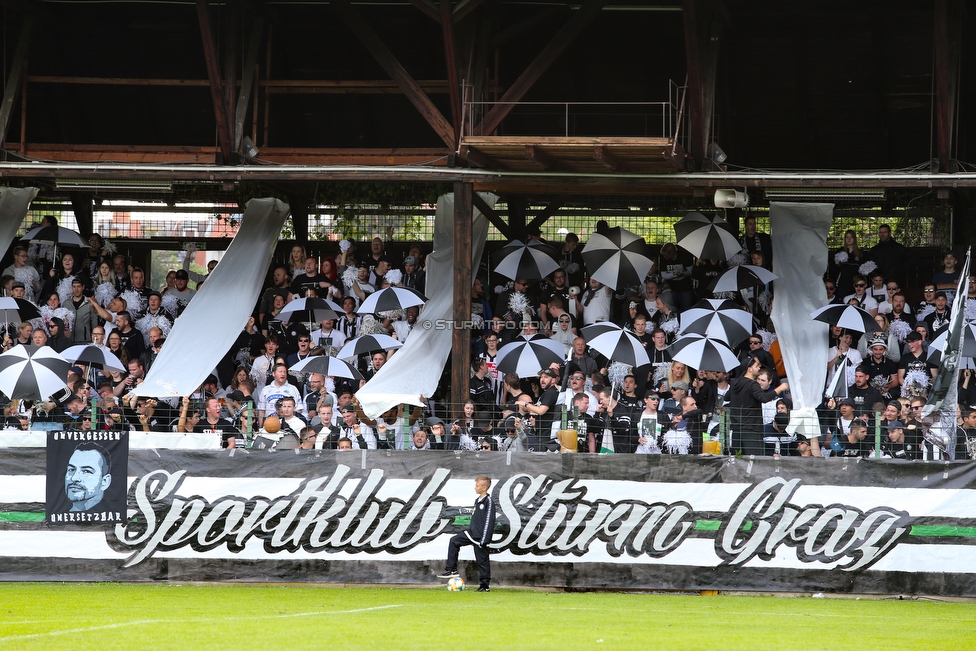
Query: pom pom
[[63, 313], [146, 323], [572, 268], [104, 293], [765, 301], [499, 289], [350, 276], [133, 301], [617, 372], [866, 268], [171, 303], [927, 310], [344, 245], [190, 247], [670, 326], [677, 441], [661, 373], [108, 248], [917, 382], [394, 276], [900, 329], [840, 257], [392, 315], [371, 326], [970, 314], [767, 337], [738, 259], [730, 296], [64, 289], [477, 322], [518, 303]]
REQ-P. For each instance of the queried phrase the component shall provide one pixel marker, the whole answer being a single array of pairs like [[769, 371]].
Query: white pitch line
[[198, 619]]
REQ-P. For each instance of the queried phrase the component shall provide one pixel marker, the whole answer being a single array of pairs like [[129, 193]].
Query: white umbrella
[[714, 317], [527, 358], [329, 366], [91, 355], [32, 372], [391, 298], [704, 354], [706, 236], [616, 344], [743, 276], [320, 309], [618, 258], [528, 261], [849, 317], [367, 344]]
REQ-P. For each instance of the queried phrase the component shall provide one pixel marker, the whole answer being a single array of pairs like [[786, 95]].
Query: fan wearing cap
[[543, 408], [180, 290], [853, 441], [865, 396], [513, 435], [938, 321], [878, 365], [914, 359], [894, 445], [413, 276], [360, 434]]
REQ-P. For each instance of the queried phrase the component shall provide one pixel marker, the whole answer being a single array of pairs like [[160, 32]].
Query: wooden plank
[[586, 13], [493, 217], [461, 336], [397, 72], [247, 81], [602, 155], [114, 81], [213, 73], [16, 75], [428, 8], [536, 155], [450, 62], [480, 159]]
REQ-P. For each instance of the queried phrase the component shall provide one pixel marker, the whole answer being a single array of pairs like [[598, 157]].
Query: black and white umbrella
[[706, 236], [329, 366], [618, 258], [743, 276], [391, 298], [616, 344], [367, 344], [93, 356], [32, 372], [849, 317], [18, 309], [57, 235], [527, 358], [319, 309], [717, 318], [703, 353], [968, 346], [526, 261]]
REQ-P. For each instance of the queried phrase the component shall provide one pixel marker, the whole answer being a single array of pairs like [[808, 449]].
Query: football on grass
[[455, 584]]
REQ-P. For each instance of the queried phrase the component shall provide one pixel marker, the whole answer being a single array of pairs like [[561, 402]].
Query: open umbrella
[[329, 366], [743, 276], [319, 309], [713, 317], [617, 258], [968, 346], [17, 309], [93, 356], [849, 317], [616, 344], [703, 353], [527, 358], [391, 298], [32, 372], [706, 236], [57, 235], [367, 344], [530, 261]]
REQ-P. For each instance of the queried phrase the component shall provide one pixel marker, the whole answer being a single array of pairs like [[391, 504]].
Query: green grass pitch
[[270, 617]]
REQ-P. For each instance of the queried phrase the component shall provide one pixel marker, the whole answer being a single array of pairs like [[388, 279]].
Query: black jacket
[[482, 520]]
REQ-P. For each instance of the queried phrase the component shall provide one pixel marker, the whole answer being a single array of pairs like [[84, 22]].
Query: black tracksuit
[[477, 534]]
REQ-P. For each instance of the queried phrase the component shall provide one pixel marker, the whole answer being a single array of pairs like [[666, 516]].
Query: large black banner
[[86, 476], [618, 521]]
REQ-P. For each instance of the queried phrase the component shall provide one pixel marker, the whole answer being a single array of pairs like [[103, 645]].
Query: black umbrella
[[616, 344], [527, 358], [849, 317], [57, 235], [94, 356], [526, 261], [367, 344], [708, 237], [617, 258], [319, 309], [391, 298], [703, 353], [32, 372], [743, 276], [18, 308], [329, 366], [714, 317]]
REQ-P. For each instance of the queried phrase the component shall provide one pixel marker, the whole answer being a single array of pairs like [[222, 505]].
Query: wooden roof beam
[[216, 86], [15, 76], [544, 216], [450, 61], [702, 29], [397, 72], [603, 156], [247, 80], [536, 155], [586, 13], [948, 36], [493, 217]]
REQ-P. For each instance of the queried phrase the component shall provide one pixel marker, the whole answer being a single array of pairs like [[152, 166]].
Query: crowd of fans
[[96, 297]]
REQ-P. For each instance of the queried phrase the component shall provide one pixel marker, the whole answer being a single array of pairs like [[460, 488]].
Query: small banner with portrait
[[86, 477]]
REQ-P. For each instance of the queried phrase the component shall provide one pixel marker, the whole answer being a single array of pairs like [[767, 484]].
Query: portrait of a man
[[88, 475]]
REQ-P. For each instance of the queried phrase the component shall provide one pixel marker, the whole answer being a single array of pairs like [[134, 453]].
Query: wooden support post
[[450, 61], [545, 215], [461, 340], [213, 72], [15, 76], [948, 35], [299, 217], [493, 217], [247, 82], [586, 13], [702, 23]]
